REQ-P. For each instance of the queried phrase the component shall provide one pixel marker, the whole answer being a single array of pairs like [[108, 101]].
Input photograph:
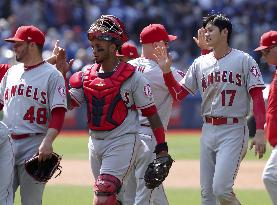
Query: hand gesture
[[259, 142], [61, 64], [200, 40], [163, 58], [53, 59]]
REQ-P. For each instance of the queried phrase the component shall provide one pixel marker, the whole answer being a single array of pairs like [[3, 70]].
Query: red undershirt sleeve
[[57, 118], [177, 91], [258, 106], [149, 111]]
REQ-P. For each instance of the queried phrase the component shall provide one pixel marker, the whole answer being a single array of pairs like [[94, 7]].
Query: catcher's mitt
[[157, 171], [44, 170]]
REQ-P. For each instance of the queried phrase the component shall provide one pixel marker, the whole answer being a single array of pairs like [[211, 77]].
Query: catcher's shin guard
[[106, 188]]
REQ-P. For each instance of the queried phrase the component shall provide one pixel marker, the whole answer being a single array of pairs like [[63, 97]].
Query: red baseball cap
[[267, 39], [128, 50], [155, 33], [28, 33]]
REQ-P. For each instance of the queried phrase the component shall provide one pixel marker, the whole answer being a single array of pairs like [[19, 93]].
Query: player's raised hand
[[259, 142], [56, 48], [162, 57], [53, 59], [200, 40], [61, 64]]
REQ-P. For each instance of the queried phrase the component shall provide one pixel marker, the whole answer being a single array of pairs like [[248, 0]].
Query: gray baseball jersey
[[6, 166], [224, 84], [112, 152], [28, 97], [134, 190], [135, 90], [163, 100]]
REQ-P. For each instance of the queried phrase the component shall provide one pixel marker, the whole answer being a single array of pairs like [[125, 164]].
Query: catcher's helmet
[[109, 28]]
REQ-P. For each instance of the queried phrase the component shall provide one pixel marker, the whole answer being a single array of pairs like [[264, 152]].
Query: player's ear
[[225, 32], [155, 44], [113, 47]]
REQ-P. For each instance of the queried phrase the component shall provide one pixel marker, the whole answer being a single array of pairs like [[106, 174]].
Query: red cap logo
[[128, 50], [29, 34], [268, 39], [155, 33]]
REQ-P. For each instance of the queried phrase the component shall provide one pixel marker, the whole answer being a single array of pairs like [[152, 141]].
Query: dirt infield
[[184, 174]]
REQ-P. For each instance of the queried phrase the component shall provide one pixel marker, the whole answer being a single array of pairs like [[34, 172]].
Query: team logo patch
[[181, 73], [147, 90], [255, 71], [61, 90]]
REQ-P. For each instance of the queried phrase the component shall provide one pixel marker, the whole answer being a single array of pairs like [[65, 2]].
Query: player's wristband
[[159, 134], [161, 147]]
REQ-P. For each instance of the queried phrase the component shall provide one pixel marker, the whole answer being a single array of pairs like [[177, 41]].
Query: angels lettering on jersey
[[220, 76], [26, 91]]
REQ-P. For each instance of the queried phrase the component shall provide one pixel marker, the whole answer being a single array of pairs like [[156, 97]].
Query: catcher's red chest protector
[[105, 108]]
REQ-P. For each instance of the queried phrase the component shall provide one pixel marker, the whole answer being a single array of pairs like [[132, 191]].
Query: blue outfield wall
[[185, 115]]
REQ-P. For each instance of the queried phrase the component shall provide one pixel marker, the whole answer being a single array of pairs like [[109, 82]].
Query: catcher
[[113, 91]]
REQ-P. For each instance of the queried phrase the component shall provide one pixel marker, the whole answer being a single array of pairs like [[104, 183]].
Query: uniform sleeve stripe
[[256, 86], [58, 105], [146, 106]]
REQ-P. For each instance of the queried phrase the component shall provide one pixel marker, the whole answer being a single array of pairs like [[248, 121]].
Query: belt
[[221, 120], [23, 136], [144, 125]]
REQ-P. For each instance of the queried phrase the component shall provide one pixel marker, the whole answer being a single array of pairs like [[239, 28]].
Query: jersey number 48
[[38, 116]]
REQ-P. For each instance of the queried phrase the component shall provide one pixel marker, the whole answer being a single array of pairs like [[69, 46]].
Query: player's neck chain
[[114, 69], [228, 51], [33, 66]]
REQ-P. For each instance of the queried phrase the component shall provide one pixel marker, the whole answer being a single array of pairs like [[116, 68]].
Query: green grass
[[72, 147], [184, 146], [82, 195]]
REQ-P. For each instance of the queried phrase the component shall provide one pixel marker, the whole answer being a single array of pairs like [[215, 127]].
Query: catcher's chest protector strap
[[106, 188], [106, 109]]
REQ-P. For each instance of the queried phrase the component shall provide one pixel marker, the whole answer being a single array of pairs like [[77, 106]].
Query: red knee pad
[[106, 188]]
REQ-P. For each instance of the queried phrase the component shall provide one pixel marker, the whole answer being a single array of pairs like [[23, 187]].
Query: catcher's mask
[[108, 28]]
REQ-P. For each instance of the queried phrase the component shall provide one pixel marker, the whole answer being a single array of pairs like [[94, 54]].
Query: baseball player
[[128, 51], [33, 98], [268, 47], [6, 157], [135, 192], [226, 79], [113, 92]]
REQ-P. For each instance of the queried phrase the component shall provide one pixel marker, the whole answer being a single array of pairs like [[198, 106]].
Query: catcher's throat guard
[[44, 170]]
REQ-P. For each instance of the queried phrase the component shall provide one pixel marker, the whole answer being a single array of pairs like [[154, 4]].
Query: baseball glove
[[43, 171], [157, 171]]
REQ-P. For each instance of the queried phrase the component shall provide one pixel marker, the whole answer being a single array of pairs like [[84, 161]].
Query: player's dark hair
[[220, 21]]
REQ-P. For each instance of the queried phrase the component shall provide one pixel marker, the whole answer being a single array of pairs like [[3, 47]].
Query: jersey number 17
[[228, 94]]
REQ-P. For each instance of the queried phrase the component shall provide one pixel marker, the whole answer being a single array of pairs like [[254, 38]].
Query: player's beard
[[21, 56]]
